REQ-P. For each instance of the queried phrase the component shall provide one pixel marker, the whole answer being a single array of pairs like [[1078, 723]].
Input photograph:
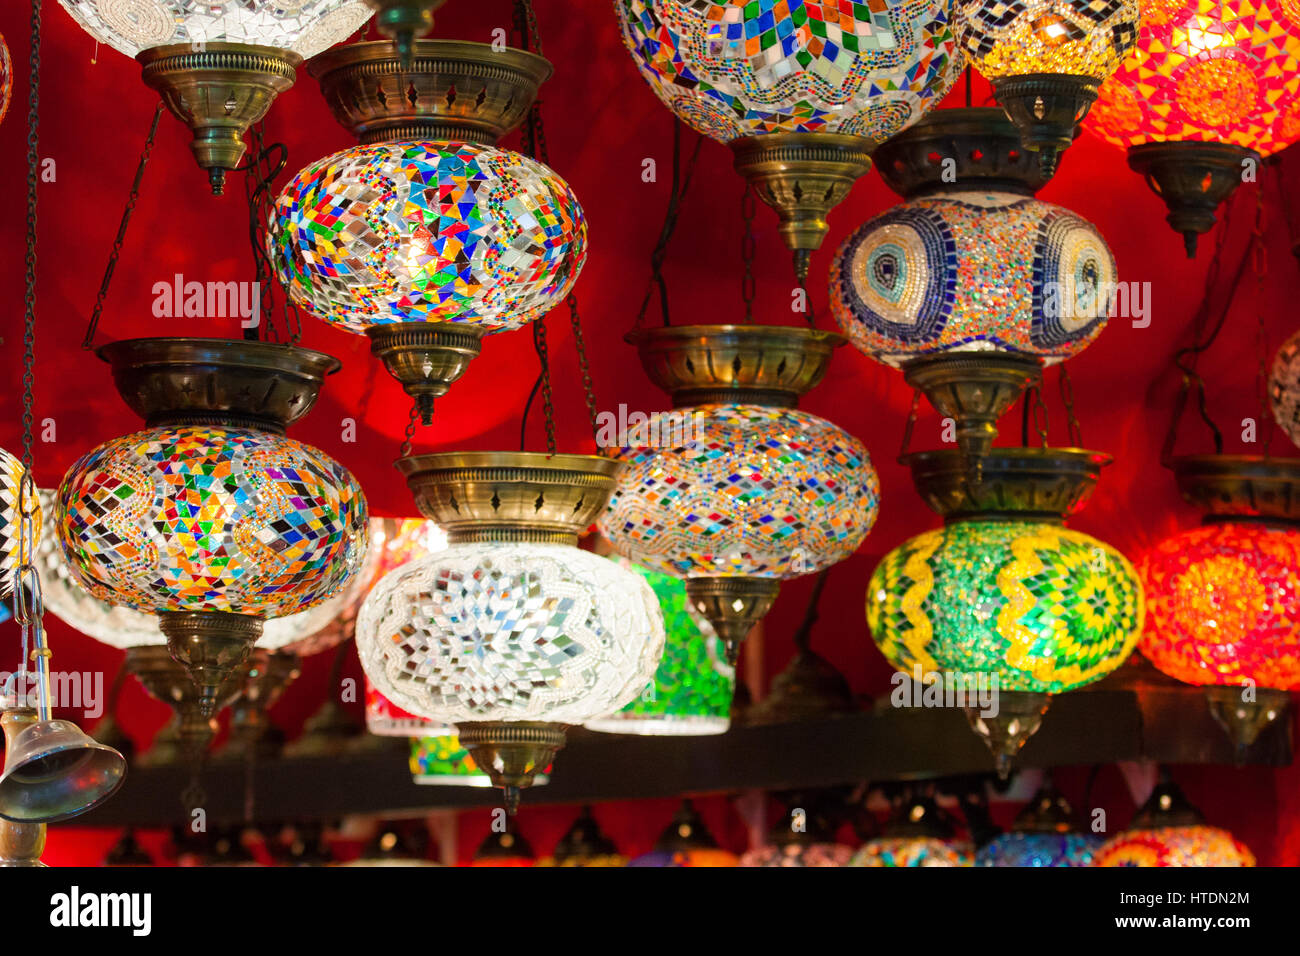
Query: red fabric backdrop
[[602, 123]]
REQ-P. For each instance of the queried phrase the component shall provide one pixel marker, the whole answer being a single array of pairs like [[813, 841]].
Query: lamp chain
[[1067, 399], [911, 423], [409, 435], [803, 636], [548, 397], [262, 171], [677, 192], [1259, 263], [116, 251], [747, 246]]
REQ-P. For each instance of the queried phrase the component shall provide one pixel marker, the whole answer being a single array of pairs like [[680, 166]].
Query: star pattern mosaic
[[1175, 846], [303, 26], [199, 518], [768, 492], [1223, 605], [510, 632], [1070, 37], [1225, 71], [1039, 849], [973, 271], [1043, 608], [693, 685], [11, 483], [748, 67], [427, 232]]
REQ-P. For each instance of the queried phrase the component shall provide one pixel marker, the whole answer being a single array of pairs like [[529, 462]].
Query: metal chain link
[[548, 399], [588, 392], [1067, 399], [748, 244], [1259, 263], [116, 251], [409, 436]]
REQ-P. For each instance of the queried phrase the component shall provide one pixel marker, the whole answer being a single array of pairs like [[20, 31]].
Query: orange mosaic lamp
[[1212, 87]]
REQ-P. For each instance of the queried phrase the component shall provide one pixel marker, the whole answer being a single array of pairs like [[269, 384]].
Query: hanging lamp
[[686, 842], [402, 21], [918, 834], [1168, 831], [1046, 60], [218, 67], [1045, 833], [210, 517], [805, 836], [428, 237], [584, 844], [504, 846], [802, 92], [971, 285], [741, 489]]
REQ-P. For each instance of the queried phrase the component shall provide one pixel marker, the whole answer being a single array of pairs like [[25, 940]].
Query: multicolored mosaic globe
[[799, 854], [973, 271], [6, 77], [768, 492], [1225, 71], [1038, 606], [693, 685], [1223, 605], [427, 232], [208, 518], [1039, 849], [506, 631], [686, 858], [442, 761], [1284, 388], [1068, 37], [1175, 846], [12, 551], [747, 67], [304, 26], [911, 851]]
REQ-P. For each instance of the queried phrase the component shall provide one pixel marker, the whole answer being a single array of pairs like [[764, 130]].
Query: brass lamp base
[[803, 176], [167, 680], [425, 359], [210, 645], [1241, 719], [1192, 178], [733, 605], [450, 90], [755, 364], [1020, 714], [261, 682], [402, 21], [219, 91], [1046, 108], [512, 753], [974, 389], [1240, 486]]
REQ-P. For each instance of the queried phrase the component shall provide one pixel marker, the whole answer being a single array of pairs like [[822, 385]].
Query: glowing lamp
[[1169, 831], [1045, 833]]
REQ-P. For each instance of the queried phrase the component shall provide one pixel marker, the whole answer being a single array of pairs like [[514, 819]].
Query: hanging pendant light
[[804, 838], [584, 844], [168, 680], [127, 851], [428, 236], [741, 489], [1045, 833], [511, 633], [396, 844], [505, 847], [210, 517], [918, 834], [218, 67], [1046, 60], [1210, 90], [252, 736], [971, 285], [1003, 597], [803, 93], [1169, 831], [686, 842]]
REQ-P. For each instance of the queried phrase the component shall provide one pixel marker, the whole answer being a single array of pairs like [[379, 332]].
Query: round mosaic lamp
[[1222, 598], [802, 92], [1169, 831], [1003, 595], [6, 77], [693, 685], [428, 237], [12, 511], [218, 67], [211, 518], [971, 285], [1211, 88], [686, 842], [1284, 385], [1046, 59], [805, 837], [511, 633], [584, 844], [740, 489], [1045, 833], [918, 834]]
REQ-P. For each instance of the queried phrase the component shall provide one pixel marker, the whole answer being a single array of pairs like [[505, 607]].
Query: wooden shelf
[[1167, 723]]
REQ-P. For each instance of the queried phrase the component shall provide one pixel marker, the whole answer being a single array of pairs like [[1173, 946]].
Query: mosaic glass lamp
[[747, 490], [505, 847], [1046, 59], [694, 684], [803, 92], [1211, 88], [511, 633], [210, 517], [11, 518], [971, 285], [218, 66], [6, 77], [686, 842], [428, 237], [1003, 595], [584, 844], [1169, 831], [444, 762], [918, 834], [1045, 833], [812, 842], [1284, 385]]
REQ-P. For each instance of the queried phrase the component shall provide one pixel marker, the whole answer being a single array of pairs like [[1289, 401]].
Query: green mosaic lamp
[[693, 686], [443, 761]]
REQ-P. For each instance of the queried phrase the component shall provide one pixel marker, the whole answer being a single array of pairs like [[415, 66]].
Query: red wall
[[602, 121]]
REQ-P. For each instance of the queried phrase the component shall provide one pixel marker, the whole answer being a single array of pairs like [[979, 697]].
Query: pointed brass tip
[[733, 651], [404, 41], [217, 179], [1189, 243], [207, 702], [510, 795], [1048, 157], [802, 259], [1003, 764], [424, 408]]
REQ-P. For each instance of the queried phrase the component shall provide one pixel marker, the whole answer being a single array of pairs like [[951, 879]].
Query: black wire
[[528, 406]]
